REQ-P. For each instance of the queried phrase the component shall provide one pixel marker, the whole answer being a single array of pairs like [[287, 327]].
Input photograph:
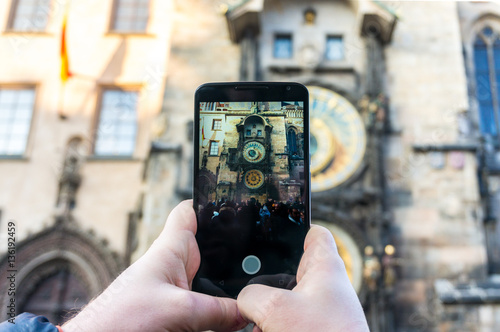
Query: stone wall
[[437, 231]]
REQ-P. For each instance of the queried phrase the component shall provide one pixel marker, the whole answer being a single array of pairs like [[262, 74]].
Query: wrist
[[82, 322]]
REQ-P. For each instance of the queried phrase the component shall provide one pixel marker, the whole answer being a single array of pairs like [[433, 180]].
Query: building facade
[[251, 150], [73, 143]]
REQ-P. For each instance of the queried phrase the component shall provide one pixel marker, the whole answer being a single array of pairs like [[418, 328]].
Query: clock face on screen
[[338, 139], [254, 152], [254, 179]]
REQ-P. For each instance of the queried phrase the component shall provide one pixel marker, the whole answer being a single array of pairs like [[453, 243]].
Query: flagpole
[[60, 107]]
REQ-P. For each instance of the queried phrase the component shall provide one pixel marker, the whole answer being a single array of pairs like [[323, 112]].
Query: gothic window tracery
[[487, 78], [291, 138]]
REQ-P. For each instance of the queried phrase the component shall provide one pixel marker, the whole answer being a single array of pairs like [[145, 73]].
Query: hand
[[154, 293], [323, 299]]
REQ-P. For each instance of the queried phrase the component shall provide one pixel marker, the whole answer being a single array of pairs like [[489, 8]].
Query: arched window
[[291, 138], [487, 75]]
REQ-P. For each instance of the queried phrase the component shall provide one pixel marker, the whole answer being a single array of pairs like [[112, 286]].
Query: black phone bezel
[[258, 92]]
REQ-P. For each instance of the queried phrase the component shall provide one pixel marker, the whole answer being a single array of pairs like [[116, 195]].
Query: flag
[[202, 130], [65, 73]]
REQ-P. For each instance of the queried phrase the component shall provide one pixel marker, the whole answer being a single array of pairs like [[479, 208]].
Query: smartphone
[[251, 182]]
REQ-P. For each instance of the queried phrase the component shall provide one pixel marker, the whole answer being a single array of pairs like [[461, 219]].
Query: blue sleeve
[[27, 322]]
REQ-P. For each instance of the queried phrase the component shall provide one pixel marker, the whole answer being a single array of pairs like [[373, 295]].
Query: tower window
[[283, 46], [334, 48]]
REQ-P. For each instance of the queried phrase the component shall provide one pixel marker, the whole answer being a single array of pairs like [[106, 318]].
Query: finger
[[176, 246], [258, 303], [319, 233], [214, 313], [181, 218], [320, 253]]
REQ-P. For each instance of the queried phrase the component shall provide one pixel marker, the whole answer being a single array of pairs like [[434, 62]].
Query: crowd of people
[[229, 231], [267, 220]]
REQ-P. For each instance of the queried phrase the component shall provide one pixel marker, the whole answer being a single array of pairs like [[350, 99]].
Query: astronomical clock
[[254, 152], [338, 139], [254, 179], [338, 143]]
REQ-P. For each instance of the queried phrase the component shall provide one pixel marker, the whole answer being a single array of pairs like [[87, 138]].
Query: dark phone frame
[[248, 92]]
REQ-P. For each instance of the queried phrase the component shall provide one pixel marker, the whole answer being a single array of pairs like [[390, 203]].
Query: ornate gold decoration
[[254, 179], [254, 152], [325, 150], [310, 16]]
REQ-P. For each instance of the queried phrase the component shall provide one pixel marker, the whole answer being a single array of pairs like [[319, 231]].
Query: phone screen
[[251, 188]]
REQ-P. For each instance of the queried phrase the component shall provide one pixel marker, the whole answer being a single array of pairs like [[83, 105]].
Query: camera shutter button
[[251, 264]]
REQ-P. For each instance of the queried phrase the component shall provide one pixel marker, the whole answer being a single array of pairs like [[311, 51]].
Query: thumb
[[214, 313], [258, 303]]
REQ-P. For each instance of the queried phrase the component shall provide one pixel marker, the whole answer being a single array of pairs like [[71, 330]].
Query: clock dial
[[254, 179], [322, 149], [338, 139], [254, 152]]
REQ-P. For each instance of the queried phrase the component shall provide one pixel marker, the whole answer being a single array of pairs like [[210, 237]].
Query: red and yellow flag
[[65, 73], [203, 130]]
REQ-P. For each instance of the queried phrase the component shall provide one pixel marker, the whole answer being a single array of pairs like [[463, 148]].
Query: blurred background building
[[73, 140], [404, 101]]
